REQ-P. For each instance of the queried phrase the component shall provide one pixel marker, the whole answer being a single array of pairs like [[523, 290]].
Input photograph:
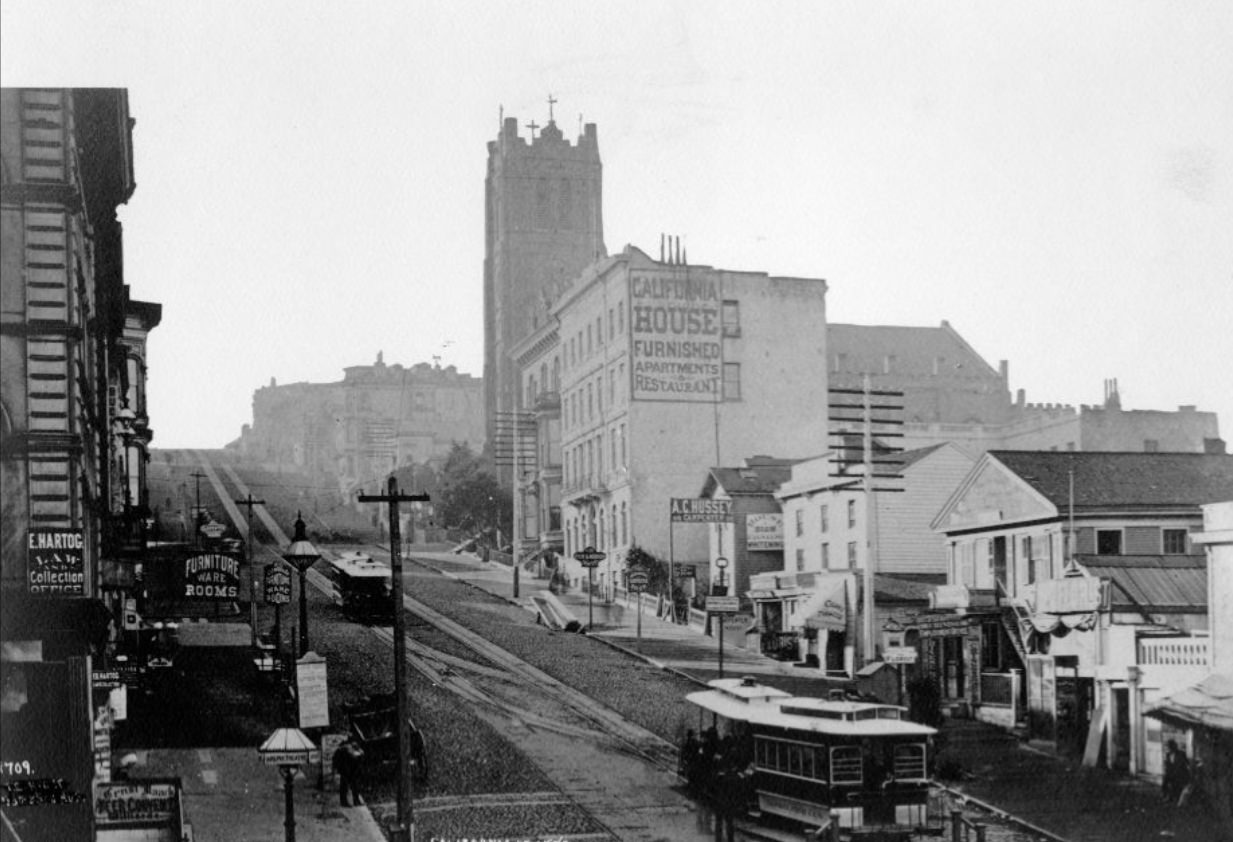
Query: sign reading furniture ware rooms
[[676, 337], [56, 562], [212, 576]]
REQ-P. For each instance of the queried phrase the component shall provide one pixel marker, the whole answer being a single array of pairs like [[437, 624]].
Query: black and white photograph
[[622, 421]]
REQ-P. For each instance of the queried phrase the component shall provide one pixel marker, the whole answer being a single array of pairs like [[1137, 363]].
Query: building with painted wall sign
[[666, 369], [73, 434]]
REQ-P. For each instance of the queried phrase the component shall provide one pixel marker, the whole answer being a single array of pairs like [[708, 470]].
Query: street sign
[[723, 604], [589, 557], [899, 654], [638, 580]]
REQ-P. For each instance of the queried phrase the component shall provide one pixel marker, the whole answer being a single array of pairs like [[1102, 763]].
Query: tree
[[470, 497], [658, 575]]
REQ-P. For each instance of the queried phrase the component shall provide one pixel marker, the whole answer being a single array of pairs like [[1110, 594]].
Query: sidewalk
[[226, 789], [1053, 795]]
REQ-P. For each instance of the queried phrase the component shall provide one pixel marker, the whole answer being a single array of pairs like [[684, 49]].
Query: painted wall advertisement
[[764, 531], [676, 338], [56, 562]]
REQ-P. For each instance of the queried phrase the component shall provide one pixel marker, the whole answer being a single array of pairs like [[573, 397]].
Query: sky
[[1055, 179]]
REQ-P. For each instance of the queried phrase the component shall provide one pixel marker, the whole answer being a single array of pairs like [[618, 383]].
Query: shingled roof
[[1105, 481]]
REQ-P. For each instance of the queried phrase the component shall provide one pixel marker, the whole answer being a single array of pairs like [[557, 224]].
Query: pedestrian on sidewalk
[[1176, 773], [347, 764]]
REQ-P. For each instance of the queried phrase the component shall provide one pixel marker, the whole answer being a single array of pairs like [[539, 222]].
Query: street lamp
[[302, 555]]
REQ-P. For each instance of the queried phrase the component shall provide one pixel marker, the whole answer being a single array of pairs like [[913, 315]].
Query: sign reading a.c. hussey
[[56, 562], [699, 510], [213, 576], [676, 337]]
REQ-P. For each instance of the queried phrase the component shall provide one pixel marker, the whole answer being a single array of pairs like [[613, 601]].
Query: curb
[[1002, 814]]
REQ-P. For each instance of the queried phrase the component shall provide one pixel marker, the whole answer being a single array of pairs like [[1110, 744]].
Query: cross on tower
[[532, 126], [551, 102]]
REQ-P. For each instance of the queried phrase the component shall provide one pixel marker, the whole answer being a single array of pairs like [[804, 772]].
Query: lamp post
[[302, 555], [721, 590]]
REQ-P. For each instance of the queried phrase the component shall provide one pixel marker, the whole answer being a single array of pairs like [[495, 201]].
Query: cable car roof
[[746, 701]]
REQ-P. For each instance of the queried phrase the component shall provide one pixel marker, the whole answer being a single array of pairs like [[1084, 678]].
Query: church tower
[[543, 225]]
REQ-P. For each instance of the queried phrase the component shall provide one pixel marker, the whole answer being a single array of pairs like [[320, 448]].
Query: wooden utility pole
[[403, 829], [249, 502], [198, 476]]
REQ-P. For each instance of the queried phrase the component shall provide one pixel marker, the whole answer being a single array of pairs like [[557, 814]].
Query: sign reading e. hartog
[[699, 510], [55, 562], [676, 338]]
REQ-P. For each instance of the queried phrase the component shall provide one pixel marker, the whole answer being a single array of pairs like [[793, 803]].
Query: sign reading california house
[[676, 337], [213, 576], [56, 562]]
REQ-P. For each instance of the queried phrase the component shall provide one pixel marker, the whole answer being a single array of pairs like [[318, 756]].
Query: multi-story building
[[72, 435], [377, 418], [950, 393], [814, 604], [543, 223], [668, 369], [538, 474], [1065, 570]]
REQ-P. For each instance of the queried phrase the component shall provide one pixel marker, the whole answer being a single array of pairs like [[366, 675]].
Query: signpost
[[278, 594], [590, 559], [636, 582], [719, 606], [288, 749]]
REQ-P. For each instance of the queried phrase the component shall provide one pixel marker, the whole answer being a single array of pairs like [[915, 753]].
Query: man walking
[[347, 764]]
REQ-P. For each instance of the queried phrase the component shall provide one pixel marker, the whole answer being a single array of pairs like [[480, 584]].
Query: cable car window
[[794, 760], [846, 765], [910, 762]]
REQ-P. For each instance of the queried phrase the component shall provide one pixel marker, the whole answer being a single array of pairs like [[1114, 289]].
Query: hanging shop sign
[[277, 585], [676, 337], [56, 562], [211, 576]]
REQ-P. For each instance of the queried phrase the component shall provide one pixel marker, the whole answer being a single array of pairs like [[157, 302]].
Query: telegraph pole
[[249, 502], [403, 829], [198, 476]]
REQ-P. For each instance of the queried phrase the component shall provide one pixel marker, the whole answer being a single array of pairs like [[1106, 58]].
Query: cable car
[[362, 587], [809, 759]]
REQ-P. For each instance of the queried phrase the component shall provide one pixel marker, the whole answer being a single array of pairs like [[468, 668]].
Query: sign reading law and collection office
[[56, 562], [676, 338]]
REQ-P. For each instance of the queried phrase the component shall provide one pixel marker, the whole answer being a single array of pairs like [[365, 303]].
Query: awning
[[828, 607], [1208, 704], [760, 594]]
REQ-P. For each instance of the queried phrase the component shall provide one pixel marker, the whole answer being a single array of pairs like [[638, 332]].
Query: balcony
[[1175, 651], [547, 401]]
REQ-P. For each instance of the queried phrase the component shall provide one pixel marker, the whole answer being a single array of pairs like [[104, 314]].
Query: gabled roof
[[1122, 480], [1154, 583], [759, 478]]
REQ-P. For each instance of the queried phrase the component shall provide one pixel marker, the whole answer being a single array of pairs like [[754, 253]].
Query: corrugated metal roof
[[1152, 582]]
